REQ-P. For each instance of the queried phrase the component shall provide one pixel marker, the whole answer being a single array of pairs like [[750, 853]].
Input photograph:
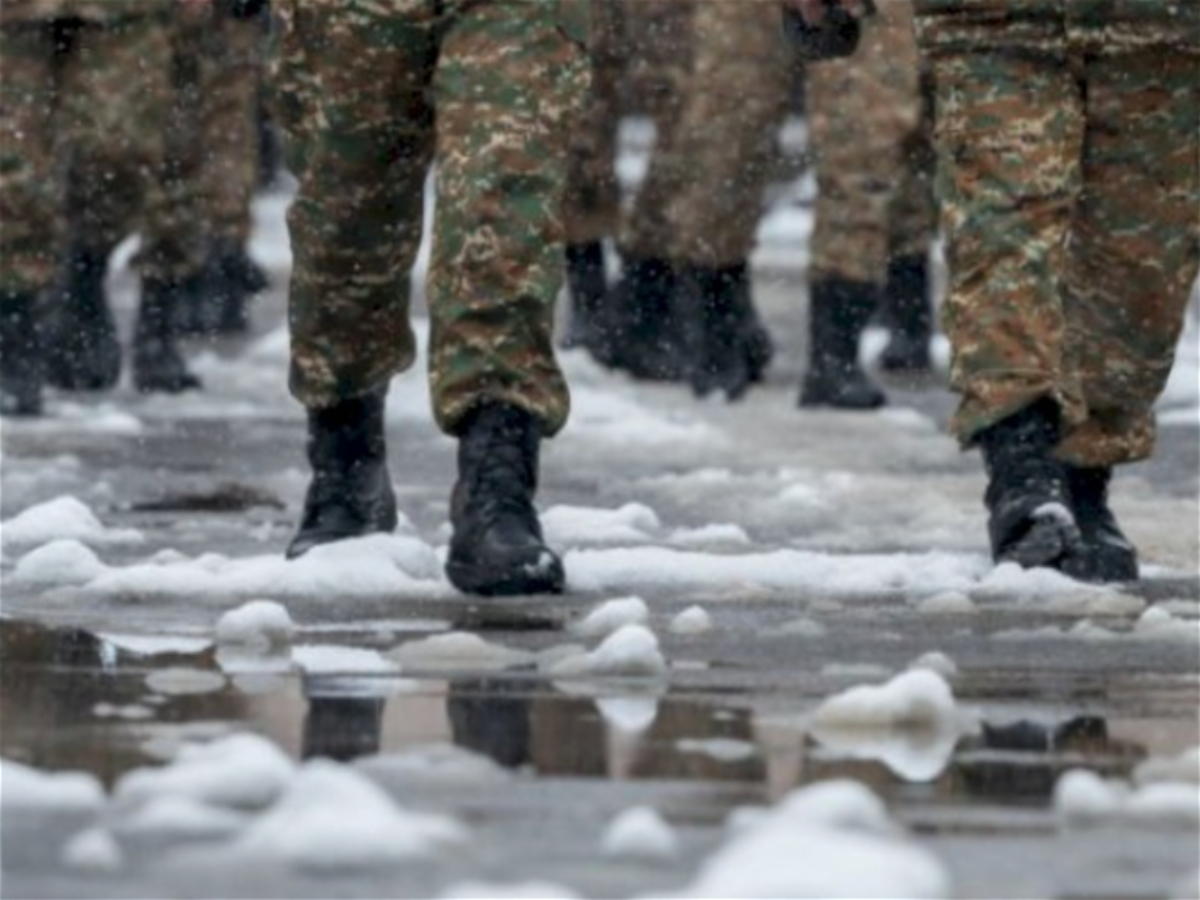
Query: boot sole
[[520, 581]]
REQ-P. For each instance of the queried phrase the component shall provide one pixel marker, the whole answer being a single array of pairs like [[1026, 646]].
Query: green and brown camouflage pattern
[[1069, 146], [491, 90], [736, 101], [870, 133]]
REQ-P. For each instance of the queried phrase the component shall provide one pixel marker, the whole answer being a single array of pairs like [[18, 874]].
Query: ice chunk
[[612, 615], [640, 833], [332, 818], [693, 620], [242, 771], [457, 651], [261, 624], [93, 850], [26, 788], [63, 518], [916, 698], [630, 650], [60, 562]]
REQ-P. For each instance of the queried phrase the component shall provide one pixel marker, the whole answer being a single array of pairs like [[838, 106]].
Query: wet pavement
[[538, 764]]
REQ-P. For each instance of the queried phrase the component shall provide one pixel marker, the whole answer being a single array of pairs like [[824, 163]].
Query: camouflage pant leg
[[913, 214], [115, 99], [592, 206], [865, 114], [355, 104], [30, 221], [231, 74], [660, 68], [510, 85], [1134, 247], [729, 130]]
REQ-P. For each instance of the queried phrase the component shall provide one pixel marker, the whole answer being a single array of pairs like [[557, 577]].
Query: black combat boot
[[157, 363], [20, 356], [588, 288], [350, 494], [838, 312], [647, 338], [1105, 554], [910, 316], [228, 280], [1031, 522], [82, 352], [717, 305], [497, 548], [758, 346]]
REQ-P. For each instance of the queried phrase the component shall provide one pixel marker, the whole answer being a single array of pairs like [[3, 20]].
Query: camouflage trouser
[[1070, 181], [659, 36], [736, 102], [504, 80], [93, 98], [870, 133], [593, 202]]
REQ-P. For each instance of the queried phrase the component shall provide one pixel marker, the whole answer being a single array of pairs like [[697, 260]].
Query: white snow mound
[[633, 523], [641, 834], [93, 850], [1082, 799], [692, 621], [65, 561], [63, 518], [261, 624], [631, 650], [26, 788], [611, 616], [916, 698], [456, 651]]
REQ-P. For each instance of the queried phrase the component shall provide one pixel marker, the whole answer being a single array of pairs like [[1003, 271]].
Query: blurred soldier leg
[[1070, 180], [592, 208], [506, 83], [231, 76], [659, 34], [736, 104], [29, 206], [114, 100], [863, 114]]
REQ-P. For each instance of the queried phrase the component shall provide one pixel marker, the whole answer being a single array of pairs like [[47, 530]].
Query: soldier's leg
[[659, 72], [729, 131], [1134, 252], [863, 111], [364, 129], [592, 205], [1010, 136], [509, 87], [29, 207], [114, 103]]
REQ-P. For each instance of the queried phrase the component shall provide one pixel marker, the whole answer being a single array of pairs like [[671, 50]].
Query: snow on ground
[[261, 624], [918, 698], [63, 518], [23, 788], [633, 523], [829, 840], [93, 850], [456, 651], [632, 651], [611, 615], [691, 621], [1083, 799], [640, 834]]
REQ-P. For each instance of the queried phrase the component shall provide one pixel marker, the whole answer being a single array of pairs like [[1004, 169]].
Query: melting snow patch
[[457, 651], [612, 615], [709, 536], [93, 850], [179, 817], [632, 650], [1083, 799], [814, 844], [436, 764], [727, 750], [25, 788], [63, 518], [936, 661], [332, 818], [1157, 624], [633, 523], [629, 715], [65, 561], [181, 681], [640, 834], [334, 659], [155, 645], [947, 603], [242, 771], [916, 698], [261, 624], [533, 890], [1183, 769], [693, 620]]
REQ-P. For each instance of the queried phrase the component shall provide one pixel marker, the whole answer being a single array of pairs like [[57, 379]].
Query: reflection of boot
[[1031, 522], [483, 718], [838, 312], [20, 356], [157, 363], [342, 728], [80, 336], [717, 305], [497, 547], [350, 494], [758, 347], [588, 287], [646, 334], [1105, 553], [909, 315]]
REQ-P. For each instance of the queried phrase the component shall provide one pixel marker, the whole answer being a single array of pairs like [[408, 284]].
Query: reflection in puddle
[[74, 701]]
